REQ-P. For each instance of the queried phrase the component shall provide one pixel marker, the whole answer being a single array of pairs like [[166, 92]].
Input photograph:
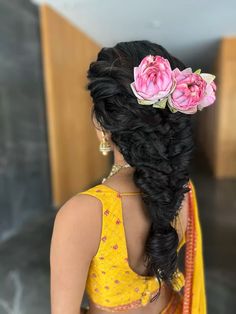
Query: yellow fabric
[[198, 297], [111, 283], [174, 306]]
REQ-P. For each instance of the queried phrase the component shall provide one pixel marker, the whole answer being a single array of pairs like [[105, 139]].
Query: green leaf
[[145, 102], [198, 71], [160, 104], [171, 108]]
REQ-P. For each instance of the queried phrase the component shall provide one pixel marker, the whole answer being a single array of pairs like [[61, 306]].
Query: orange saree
[[193, 298]]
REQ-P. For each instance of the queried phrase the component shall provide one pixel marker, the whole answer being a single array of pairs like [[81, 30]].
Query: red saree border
[[191, 238]]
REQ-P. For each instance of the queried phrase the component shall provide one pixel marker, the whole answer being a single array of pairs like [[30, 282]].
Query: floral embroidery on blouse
[[109, 273]]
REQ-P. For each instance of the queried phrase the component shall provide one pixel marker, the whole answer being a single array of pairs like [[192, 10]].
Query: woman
[[120, 239]]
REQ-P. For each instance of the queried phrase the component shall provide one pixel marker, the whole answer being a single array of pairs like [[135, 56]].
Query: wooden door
[[75, 160], [216, 125]]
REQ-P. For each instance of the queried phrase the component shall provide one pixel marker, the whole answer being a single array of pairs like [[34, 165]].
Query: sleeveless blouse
[[111, 283]]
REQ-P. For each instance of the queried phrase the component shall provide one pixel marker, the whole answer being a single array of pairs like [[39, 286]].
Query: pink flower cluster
[[156, 84]]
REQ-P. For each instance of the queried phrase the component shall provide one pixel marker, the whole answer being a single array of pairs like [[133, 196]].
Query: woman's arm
[[75, 240]]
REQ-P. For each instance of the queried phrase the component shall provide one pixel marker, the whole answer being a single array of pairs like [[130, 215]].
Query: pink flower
[[193, 91], [209, 97], [153, 79], [189, 90], [156, 84]]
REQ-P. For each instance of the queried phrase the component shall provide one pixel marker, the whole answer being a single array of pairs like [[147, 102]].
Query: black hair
[[156, 142]]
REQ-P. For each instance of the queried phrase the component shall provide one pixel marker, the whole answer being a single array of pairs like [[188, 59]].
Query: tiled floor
[[24, 265]]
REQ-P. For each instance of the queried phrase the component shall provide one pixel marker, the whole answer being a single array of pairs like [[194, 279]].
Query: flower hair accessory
[[156, 84]]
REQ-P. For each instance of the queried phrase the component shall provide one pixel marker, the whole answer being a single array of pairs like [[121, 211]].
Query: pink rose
[[189, 90], [193, 91], [153, 79]]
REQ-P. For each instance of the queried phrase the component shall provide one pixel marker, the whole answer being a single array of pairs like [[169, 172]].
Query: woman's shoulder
[[81, 206], [81, 212], [81, 200], [89, 201]]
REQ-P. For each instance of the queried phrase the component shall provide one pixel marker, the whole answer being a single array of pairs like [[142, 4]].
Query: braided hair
[[156, 142]]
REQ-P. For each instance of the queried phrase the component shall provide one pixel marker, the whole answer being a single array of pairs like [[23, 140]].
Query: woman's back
[[124, 235], [136, 219]]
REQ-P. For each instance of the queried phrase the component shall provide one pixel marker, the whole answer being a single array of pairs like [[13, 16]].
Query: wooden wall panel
[[216, 125], [76, 162]]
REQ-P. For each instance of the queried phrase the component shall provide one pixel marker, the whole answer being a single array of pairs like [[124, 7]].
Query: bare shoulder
[[80, 207], [79, 218]]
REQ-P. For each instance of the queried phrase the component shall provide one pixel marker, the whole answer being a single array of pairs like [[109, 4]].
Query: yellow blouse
[[111, 283]]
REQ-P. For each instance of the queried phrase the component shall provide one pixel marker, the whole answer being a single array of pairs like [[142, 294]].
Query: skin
[[75, 240]]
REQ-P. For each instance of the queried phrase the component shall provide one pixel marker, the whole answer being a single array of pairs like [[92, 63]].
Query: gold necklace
[[115, 168]]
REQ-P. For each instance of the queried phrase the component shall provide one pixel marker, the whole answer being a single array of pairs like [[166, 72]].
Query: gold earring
[[104, 146]]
